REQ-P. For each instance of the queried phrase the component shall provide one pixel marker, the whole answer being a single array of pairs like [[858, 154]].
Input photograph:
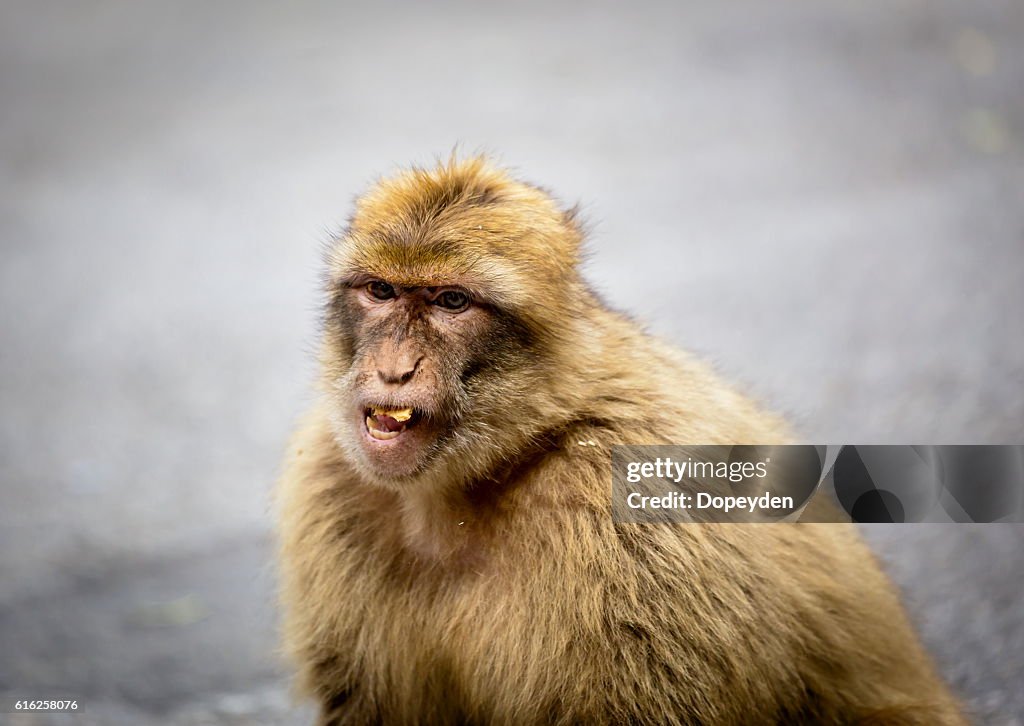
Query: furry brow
[[479, 291]]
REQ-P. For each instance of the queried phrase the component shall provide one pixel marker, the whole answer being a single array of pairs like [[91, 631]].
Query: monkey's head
[[451, 296]]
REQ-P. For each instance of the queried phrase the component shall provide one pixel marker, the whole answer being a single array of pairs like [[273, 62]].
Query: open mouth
[[384, 424]]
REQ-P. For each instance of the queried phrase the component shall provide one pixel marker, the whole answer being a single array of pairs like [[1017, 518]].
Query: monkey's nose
[[398, 374]]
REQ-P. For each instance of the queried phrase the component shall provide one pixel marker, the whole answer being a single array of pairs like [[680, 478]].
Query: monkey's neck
[[454, 522], [442, 527]]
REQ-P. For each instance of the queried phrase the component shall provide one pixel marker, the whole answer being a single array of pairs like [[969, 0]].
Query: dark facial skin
[[413, 347]]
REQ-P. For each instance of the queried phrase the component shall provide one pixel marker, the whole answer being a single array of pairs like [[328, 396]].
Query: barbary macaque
[[447, 552]]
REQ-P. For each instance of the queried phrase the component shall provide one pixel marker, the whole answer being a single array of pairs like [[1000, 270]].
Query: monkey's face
[[415, 352], [446, 296]]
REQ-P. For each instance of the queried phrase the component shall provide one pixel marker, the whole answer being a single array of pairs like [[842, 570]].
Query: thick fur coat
[[491, 586]]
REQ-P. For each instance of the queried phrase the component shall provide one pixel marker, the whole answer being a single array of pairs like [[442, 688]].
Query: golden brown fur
[[490, 585]]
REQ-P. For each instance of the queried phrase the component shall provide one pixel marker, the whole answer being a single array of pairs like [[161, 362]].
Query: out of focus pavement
[[827, 199]]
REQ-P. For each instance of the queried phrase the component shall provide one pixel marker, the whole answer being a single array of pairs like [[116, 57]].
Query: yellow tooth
[[398, 414]]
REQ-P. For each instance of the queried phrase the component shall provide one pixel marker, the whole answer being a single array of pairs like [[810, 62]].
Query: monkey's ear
[[572, 217], [577, 227]]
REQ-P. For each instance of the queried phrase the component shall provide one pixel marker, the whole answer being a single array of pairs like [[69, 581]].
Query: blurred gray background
[[827, 199]]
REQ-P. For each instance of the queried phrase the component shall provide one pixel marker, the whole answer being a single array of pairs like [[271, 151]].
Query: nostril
[[397, 377], [412, 371]]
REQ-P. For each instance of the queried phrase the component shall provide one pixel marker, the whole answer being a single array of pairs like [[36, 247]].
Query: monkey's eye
[[454, 301], [380, 290]]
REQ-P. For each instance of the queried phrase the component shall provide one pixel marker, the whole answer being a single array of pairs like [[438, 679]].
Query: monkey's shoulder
[[652, 392]]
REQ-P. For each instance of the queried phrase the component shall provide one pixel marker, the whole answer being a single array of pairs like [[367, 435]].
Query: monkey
[[446, 549]]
